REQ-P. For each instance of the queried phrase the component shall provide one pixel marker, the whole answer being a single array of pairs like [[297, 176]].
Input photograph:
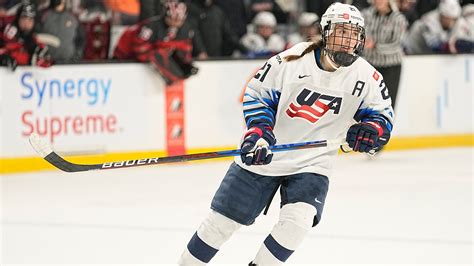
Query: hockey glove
[[367, 136], [41, 57], [255, 147], [8, 61]]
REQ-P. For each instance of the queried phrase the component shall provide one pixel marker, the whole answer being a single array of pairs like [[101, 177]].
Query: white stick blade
[[39, 145], [49, 39]]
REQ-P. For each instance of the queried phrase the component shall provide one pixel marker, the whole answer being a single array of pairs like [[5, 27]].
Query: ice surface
[[411, 207]]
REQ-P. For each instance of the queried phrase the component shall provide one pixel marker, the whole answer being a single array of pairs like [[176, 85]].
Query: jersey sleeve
[[262, 94], [377, 104]]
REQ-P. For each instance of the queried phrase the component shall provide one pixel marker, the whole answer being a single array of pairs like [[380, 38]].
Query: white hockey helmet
[[343, 14], [450, 8], [265, 19], [307, 19], [468, 11]]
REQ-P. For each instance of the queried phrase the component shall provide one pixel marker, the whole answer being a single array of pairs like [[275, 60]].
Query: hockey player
[[167, 42], [440, 31], [312, 91], [19, 44], [307, 28], [264, 42]]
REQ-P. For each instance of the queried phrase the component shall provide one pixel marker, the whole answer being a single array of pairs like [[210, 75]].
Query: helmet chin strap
[[343, 59], [337, 59], [328, 60]]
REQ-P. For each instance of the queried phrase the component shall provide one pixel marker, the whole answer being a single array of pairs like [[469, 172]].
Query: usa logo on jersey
[[311, 105]]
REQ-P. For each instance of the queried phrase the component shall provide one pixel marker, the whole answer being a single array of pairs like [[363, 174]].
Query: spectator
[[97, 23], [293, 9], [264, 41], [385, 27], [88, 9], [18, 42], [407, 8], [424, 6], [64, 25], [7, 4], [438, 30], [167, 42], [124, 12], [308, 29], [8, 10], [317, 7], [360, 4], [258, 6], [464, 42], [150, 8], [214, 28], [466, 2], [236, 12]]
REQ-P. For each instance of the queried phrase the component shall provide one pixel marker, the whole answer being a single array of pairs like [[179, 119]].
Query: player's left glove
[[367, 136], [41, 57], [255, 147], [8, 61]]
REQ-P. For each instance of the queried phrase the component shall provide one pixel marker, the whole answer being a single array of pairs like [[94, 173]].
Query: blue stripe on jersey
[[259, 115], [200, 250], [251, 102], [280, 252], [276, 97], [270, 103], [369, 114], [272, 99], [259, 109], [389, 111], [252, 120], [363, 113], [261, 106], [381, 119], [259, 120]]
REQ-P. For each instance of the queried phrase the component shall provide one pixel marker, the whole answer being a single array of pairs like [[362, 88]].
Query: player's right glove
[[367, 136], [255, 147]]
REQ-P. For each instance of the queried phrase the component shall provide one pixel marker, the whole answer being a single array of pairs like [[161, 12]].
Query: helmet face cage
[[343, 42]]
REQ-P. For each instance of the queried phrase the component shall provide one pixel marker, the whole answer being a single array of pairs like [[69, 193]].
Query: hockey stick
[[43, 149], [49, 39]]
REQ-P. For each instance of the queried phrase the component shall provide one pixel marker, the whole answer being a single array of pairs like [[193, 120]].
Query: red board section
[[175, 137]]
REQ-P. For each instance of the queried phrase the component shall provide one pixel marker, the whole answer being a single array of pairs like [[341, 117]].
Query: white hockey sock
[[296, 219], [214, 231]]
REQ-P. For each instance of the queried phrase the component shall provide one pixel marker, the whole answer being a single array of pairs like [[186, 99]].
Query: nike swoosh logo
[[303, 76]]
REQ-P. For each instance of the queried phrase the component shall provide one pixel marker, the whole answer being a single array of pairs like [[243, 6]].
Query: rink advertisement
[[124, 109], [90, 95], [81, 109]]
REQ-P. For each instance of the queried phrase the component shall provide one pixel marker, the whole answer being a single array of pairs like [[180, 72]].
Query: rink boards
[[124, 111]]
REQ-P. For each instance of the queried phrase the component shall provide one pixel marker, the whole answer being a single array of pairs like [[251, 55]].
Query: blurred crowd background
[[171, 34]]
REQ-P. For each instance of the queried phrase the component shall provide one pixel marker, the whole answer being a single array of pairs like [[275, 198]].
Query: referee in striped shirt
[[385, 27]]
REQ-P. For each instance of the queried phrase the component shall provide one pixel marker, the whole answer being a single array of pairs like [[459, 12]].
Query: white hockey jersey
[[256, 43], [427, 36], [303, 103]]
